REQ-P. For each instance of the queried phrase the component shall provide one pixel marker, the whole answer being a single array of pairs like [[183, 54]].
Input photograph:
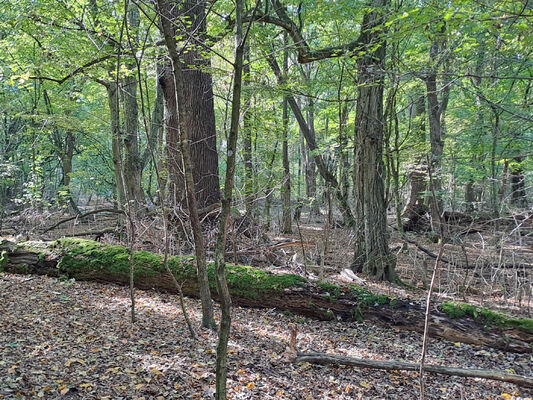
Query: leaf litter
[[74, 340]]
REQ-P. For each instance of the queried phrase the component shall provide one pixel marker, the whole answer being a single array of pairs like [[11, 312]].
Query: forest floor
[[74, 340], [63, 339]]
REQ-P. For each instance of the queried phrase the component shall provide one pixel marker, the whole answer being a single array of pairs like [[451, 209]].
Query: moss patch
[[487, 317], [84, 258], [3, 260], [368, 299]]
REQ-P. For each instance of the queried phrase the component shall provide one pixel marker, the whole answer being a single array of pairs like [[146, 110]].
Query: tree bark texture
[[132, 172], [184, 109], [199, 120], [371, 254], [88, 260]]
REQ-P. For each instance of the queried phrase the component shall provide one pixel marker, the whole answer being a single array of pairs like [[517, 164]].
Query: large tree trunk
[[371, 253], [88, 260], [184, 111], [518, 186], [199, 119]]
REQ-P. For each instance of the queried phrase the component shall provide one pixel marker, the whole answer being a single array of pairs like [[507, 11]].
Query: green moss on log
[[85, 258], [488, 317], [3, 260]]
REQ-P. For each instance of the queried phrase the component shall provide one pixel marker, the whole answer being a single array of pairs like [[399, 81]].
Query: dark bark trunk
[[184, 109], [88, 260], [199, 120], [371, 252], [518, 186]]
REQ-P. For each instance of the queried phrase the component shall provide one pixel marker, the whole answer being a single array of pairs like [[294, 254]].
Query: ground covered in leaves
[[74, 340]]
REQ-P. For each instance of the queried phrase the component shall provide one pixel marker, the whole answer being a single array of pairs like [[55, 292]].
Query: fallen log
[[88, 260], [330, 359]]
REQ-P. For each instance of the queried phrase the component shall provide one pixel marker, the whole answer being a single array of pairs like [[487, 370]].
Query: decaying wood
[[329, 359], [306, 299]]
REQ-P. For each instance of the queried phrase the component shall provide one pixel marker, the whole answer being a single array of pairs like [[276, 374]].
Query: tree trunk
[[116, 142], [66, 165], [220, 262], [95, 261], [518, 187], [132, 172], [371, 253], [415, 208], [310, 139], [286, 219], [184, 110], [249, 188]]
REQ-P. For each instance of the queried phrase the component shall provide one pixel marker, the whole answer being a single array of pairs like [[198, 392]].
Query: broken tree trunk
[[89, 260]]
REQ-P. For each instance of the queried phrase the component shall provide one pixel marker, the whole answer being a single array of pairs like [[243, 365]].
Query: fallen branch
[[81, 216], [328, 359]]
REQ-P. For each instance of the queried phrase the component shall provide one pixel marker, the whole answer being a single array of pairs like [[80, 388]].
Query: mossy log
[[88, 260]]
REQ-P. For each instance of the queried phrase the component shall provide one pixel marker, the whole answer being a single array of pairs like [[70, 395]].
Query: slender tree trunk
[[116, 142], [310, 139], [132, 171], [249, 188], [165, 20], [286, 224], [66, 164], [371, 252], [220, 265], [518, 187]]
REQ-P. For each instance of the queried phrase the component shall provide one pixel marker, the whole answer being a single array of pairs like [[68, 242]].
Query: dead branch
[[81, 216], [328, 359]]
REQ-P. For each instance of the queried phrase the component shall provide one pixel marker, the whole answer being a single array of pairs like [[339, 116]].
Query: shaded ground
[[73, 340]]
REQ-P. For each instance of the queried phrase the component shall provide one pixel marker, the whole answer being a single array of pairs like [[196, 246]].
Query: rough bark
[[132, 172], [518, 187], [88, 260], [371, 252], [199, 120], [185, 111]]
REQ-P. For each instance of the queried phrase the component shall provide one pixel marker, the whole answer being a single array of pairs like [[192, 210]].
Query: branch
[[80, 216], [326, 359], [305, 53], [76, 71]]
